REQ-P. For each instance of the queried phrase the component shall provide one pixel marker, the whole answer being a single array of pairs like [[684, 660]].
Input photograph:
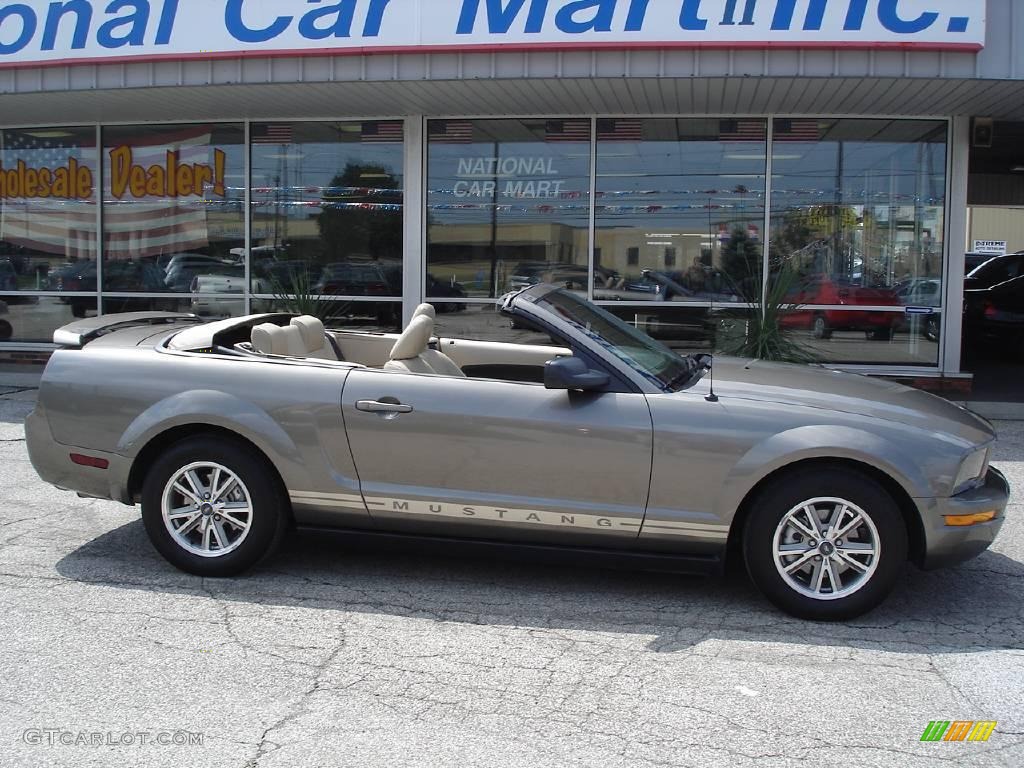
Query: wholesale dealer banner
[[36, 32]]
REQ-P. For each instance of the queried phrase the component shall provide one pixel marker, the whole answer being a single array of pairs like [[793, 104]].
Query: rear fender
[[223, 410]]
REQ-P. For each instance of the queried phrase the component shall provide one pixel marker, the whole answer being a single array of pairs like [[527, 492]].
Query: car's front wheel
[[212, 506], [826, 544]]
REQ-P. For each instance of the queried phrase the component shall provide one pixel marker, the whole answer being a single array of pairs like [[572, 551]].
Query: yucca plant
[[758, 333], [296, 293]]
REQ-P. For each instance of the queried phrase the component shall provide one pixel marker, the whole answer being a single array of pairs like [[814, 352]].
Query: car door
[[496, 459]]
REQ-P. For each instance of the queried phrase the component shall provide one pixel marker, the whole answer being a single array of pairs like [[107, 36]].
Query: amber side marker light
[[961, 521], [89, 461]]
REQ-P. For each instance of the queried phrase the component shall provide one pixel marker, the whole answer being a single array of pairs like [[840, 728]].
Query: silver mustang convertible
[[230, 432]]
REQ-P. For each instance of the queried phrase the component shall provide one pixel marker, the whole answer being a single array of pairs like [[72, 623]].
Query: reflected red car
[[821, 291]]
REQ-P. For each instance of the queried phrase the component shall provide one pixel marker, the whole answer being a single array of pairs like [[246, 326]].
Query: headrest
[[267, 339], [425, 309], [414, 339], [312, 330]]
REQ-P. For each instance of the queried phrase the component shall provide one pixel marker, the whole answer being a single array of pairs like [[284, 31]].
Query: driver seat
[[412, 353]]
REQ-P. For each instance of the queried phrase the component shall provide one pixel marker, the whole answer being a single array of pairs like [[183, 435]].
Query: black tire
[[932, 329], [820, 328], [268, 519], [775, 502]]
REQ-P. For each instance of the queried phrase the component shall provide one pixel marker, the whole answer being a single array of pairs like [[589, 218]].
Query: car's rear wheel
[[213, 506], [825, 544]]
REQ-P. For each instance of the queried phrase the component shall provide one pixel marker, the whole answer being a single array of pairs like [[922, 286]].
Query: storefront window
[[327, 208], [680, 209], [48, 179], [172, 207], [507, 205], [857, 221], [33, 319]]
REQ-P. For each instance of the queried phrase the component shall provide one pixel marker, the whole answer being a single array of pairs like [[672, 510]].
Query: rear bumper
[[947, 545], [52, 462]]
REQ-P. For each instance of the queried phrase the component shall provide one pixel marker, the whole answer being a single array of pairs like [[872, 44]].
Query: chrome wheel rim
[[826, 548], [207, 509]]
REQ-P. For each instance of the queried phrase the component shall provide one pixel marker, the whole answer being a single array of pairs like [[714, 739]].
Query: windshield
[[651, 358]]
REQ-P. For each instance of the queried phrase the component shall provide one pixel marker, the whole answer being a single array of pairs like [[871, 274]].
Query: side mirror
[[573, 373]]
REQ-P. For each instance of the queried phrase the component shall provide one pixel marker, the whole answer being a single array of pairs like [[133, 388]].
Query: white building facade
[[668, 158]]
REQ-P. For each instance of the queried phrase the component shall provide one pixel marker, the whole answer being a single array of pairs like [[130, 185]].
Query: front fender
[[215, 408], [817, 442]]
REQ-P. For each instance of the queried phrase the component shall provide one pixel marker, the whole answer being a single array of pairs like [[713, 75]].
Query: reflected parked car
[[182, 271], [996, 270], [346, 278], [994, 317], [822, 290], [438, 289]]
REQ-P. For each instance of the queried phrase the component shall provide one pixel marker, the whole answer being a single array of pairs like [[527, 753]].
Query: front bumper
[[947, 545]]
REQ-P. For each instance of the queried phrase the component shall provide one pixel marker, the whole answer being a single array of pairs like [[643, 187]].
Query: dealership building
[[678, 161]]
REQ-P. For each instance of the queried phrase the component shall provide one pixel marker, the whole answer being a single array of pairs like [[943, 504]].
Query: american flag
[[743, 130], [450, 131], [151, 226], [628, 129], [272, 133], [55, 226], [383, 132], [567, 130], [797, 130]]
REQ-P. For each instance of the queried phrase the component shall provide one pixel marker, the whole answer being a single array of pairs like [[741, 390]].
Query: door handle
[[376, 406]]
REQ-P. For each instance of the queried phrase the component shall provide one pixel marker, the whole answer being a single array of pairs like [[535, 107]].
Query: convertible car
[[610, 445]]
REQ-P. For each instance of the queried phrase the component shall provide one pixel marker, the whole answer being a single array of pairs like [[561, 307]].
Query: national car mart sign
[[36, 32]]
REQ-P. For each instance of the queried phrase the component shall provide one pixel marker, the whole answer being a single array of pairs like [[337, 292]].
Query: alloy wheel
[[826, 548], [207, 509]]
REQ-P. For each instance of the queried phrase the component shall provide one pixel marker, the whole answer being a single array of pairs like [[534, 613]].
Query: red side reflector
[[89, 461]]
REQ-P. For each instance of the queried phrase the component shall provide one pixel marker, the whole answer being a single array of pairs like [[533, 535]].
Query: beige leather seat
[[314, 337], [412, 354], [425, 309], [270, 339]]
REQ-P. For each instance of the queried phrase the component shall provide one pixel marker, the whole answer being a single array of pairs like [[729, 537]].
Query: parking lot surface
[[331, 655]]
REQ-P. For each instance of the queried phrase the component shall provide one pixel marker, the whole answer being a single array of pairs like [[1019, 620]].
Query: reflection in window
[[33, 319], [858, 216], [48, 179], [859, 209], [680, 208], [507, 204], [327, 208], [340, 313], [687, 330], [173, 207]]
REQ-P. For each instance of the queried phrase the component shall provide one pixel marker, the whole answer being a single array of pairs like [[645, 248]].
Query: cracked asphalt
[[332, 655]]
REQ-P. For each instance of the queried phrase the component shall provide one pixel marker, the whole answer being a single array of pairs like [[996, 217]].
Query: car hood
[[814, 387]]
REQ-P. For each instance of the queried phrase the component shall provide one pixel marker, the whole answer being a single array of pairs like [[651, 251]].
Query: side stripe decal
[[507, 514]]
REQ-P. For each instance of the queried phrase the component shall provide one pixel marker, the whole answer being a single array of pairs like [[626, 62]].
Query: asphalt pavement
[[331, 655]]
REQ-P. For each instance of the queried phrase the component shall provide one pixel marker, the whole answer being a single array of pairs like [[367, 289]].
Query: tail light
[[990, 311]]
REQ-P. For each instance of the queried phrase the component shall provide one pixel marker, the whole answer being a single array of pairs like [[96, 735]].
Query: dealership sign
[[34, 32]]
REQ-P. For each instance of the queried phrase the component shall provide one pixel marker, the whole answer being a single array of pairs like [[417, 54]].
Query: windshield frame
[[533, 304]]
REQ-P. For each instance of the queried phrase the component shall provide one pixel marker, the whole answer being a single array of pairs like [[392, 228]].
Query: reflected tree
[[352, 225]]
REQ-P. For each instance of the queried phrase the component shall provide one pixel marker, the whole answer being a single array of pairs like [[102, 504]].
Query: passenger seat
[[314, 336], [270, 339], [412, 354]]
